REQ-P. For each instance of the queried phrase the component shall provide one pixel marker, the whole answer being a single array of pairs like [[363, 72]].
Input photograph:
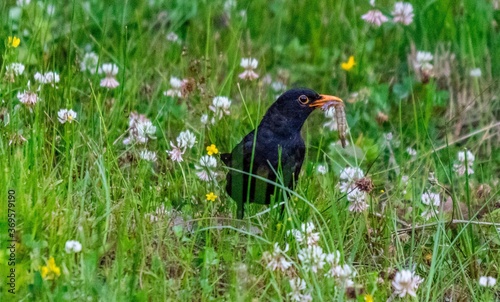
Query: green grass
[[79, 181]]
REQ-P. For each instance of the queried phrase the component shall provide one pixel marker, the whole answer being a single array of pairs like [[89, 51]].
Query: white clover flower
[[208, 161], [176, 153], [322, 169], [333, 258], [72, 246], [249, 64], [277, 259], [140, 129], [297, 293], [412, 152], [176, 87], [186, 139], [432, 199], [51, 77], [220, 106], [48, 78], [403, 13], [204, 170], [487, 281], [351, 174], [406, 283], [89, 62], [110, 70], [66, 115], [461, 168], [147, 155], [306, 234], [28, 97], [16, 69], [466, 155], [475, 73], [357, 199], [312, 258], [375, 17], [172, 37], [423, 60], [145, 130], [343, 273]]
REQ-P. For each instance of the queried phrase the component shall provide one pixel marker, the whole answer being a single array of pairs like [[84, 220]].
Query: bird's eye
[[303, 99]]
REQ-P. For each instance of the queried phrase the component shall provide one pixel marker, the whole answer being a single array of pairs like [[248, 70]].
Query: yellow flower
[[50, 271], [211, 196], [349, 64], [212, 149], [13, 41], [368, 298]]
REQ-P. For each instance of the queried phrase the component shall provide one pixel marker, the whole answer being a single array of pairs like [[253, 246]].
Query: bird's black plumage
[[276, 146]]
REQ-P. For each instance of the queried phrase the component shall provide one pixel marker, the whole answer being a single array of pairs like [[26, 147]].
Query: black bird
[[276, 146]]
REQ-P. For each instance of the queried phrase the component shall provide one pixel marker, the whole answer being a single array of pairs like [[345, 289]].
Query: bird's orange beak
[[328, 100]]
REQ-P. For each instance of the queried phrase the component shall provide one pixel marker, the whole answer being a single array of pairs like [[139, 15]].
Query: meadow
[[114, 115]]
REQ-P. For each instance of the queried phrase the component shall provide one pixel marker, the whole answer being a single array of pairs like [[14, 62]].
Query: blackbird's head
[[295, 105]]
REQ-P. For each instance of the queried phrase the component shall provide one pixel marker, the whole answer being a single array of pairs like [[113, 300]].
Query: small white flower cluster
[[402, 13], [322, 169], [140, 129], [298, 291], [411, 152], [475, 72], [249, 64], [28, 97], [205, 169], [173, 37], [406, 283], [49, 77], [306, 234], [66, 115], [110, 71], [13, 70], [465, 163], [487, 281], [185, 140], [347, 185], [147, 155], [423, 61], [432, 201], [176, 87], [72, 247], [277, 259], [313, 258], [89, 62], [220, 107]]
